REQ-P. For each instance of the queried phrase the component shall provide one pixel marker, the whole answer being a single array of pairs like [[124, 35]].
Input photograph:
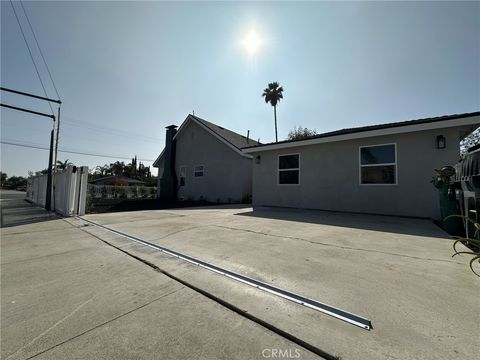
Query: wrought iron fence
[[121, 192]]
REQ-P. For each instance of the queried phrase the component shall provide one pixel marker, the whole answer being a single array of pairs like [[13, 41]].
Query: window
[[378, 165], [198, 171], [289, 169], [183, 175]]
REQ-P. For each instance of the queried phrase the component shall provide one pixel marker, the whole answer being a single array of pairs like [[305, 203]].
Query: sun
[[252, 42]]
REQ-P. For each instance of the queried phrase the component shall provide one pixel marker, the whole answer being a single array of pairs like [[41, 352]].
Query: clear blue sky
[[138, 67]]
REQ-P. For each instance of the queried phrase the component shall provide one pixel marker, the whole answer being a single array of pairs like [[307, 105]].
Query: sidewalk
[[67, 294]]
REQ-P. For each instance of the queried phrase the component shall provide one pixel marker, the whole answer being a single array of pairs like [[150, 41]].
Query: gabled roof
[[232, 139], [237, 140], [375, 130]]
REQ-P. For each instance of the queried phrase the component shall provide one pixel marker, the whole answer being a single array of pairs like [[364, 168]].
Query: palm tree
[[63, 165], [101, 170], [272, 94]]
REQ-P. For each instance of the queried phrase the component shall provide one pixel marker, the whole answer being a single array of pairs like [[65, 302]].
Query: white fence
[[69, 197]]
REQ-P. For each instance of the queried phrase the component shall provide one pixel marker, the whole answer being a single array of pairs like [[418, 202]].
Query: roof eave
[[471, 120]]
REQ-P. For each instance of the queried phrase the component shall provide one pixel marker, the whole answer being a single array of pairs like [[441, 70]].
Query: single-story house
[[379, 169], [117, 180], [204, 161]]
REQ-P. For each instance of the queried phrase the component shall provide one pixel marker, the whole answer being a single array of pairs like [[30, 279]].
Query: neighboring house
[[204, 161], [380, 169], [117, 180]]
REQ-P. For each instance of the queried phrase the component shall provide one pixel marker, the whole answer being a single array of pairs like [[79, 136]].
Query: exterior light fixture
[[257, 159], [441, 142]]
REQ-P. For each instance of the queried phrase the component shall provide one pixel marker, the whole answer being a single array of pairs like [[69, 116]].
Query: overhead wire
[[43, 147], [40, 49], [107, 130], [31, 55], [97, 129]]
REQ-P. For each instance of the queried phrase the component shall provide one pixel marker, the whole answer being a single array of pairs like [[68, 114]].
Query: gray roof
[[237, 140], [230, 137], [375, 127]]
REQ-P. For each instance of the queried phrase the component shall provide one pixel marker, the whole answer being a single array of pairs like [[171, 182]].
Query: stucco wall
[[329, 176], [161, 166], [227, 175]]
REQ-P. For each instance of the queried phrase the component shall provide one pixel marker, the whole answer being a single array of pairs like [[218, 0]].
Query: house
[[204, 161], [380, 169], [117, 180]]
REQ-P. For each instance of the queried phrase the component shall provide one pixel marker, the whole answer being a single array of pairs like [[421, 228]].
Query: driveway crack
[[337, 246]]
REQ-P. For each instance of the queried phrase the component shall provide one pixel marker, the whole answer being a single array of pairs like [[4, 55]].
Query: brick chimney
[[168, 182]]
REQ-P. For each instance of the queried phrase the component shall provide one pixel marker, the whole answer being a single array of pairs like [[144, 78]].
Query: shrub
[[472, 244], [104, 192], [135, 192], [121, 192], [91, 191]]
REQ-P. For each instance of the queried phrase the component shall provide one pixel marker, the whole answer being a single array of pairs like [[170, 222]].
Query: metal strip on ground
[[299, 299]]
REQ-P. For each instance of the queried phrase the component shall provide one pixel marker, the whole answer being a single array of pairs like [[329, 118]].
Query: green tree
[[272, 94], [14, 182], [101, 170], [117, 168], [3, 178], [300, 133], [62, 165]]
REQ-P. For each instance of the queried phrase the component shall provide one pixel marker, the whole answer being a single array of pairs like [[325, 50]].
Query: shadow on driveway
[[384, 223]]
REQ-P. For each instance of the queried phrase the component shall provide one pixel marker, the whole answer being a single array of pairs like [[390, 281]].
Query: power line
[[100, 129], [41, 147], [40, 49], [114, 132], [77, 122], [31, 55]]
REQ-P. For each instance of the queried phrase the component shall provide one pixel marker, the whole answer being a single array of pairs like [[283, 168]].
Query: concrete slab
[[66, 294], [396, 271]]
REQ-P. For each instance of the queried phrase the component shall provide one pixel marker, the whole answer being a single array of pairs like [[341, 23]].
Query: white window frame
[[194, 171], [184, 175], [278, 169], [360, 166]]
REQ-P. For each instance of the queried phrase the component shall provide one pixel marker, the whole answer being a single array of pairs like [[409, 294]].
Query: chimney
[[168, 182], [248, 135]]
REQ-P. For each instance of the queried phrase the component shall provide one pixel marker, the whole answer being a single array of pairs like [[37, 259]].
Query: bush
[[135, 192], [91, 191], [104, 192], [121, 192]]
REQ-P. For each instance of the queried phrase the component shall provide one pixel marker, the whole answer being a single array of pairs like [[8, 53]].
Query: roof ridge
[[209, 125]]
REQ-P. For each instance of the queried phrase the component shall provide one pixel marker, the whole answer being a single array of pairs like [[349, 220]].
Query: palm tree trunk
[[275, 115]]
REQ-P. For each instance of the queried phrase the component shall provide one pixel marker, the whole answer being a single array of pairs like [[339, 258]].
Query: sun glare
[[252, 42]]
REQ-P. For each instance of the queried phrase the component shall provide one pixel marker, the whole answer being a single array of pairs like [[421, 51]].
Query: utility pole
[[48, 200], [55, 158]]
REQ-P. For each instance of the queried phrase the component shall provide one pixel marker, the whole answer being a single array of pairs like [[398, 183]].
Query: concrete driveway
[[397, 272], [65, 294]]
